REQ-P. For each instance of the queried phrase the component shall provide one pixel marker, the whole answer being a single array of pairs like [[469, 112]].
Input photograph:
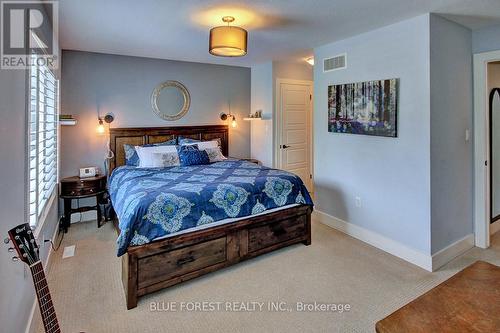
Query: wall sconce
[[310, 61], [108, 118], [224, 116]]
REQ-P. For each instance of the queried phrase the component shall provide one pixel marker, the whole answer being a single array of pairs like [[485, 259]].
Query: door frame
[[277, 124], [491, 97], [481, 148]]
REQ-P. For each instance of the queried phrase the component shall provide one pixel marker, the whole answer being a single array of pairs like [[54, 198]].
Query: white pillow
[[145, 154], [163, 160], [204, 144], [215, 154]]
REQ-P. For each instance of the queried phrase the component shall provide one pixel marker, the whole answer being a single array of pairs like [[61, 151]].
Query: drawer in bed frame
[[160, 264], [170, 264]]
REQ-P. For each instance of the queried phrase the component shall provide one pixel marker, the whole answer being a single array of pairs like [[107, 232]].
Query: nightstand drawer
[[78, 191], [74, 186]]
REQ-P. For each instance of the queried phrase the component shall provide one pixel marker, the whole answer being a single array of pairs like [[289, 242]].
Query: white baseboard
[[29, 324], [385, 244], [444, 256], [494, 227], [427, 262]]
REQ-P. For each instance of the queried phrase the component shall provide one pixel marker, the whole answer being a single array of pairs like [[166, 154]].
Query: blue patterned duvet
[[156, 202]]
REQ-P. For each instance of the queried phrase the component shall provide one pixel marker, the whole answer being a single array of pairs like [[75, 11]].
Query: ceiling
[[278, 29]]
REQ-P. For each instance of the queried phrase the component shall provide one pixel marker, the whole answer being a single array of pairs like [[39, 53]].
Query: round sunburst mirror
[[170, 100]]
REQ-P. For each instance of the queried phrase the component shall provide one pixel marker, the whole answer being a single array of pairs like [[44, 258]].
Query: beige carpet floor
[[336, 268]]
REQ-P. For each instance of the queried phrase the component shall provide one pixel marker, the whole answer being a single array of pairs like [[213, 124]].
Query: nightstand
[[79, 188], [252, 160]]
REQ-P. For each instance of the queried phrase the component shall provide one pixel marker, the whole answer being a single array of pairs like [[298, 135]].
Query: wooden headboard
[[143, 135]]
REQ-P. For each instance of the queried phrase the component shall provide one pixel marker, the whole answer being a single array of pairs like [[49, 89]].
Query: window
[[42, 138]]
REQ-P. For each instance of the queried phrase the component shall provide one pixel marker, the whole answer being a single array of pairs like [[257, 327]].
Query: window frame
[[43, 211]]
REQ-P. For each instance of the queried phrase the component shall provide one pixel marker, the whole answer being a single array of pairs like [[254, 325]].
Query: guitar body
[[28, 252]]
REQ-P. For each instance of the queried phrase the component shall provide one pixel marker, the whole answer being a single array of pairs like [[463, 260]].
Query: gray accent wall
[[100, 83], [390, 175], [451, 116]]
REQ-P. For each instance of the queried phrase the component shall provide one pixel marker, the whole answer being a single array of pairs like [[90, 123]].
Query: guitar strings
[[44, 299]]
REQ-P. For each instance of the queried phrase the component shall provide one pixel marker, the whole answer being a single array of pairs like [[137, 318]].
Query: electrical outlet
[[357, 202]]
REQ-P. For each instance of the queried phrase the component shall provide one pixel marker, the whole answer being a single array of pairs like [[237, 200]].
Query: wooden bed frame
[[163, 263]]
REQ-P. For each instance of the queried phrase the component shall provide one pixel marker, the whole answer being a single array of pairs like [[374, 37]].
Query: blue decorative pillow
[[191, 155], [183, 140], [131, 157]]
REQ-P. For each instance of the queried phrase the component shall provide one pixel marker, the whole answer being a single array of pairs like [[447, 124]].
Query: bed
[[178, 223]]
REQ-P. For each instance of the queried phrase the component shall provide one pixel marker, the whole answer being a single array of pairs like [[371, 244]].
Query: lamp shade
[[228, 41]]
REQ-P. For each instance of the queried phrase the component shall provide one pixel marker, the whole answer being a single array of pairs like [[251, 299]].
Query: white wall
[[487, 39], [264, 78], [123, 85], [292, 70], [16, 287], [17, 294], [451, 116], [390, 175], [262, 99]]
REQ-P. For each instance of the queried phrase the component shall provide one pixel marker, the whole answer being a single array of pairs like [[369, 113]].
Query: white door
[[295, 107]]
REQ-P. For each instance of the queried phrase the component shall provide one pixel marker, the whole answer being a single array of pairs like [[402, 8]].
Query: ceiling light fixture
[[228, 41], [310, 61]]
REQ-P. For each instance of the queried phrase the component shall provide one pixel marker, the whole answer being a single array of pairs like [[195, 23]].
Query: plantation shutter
[[43, 122]]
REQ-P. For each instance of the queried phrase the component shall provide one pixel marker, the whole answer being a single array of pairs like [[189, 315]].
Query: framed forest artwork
[[369, 108]]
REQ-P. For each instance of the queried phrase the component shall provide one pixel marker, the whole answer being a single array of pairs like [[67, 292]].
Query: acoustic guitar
[[28, 252]]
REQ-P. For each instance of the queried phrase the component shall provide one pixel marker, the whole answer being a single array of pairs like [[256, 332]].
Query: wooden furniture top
[[143, 135], [75, 187], [469, 301], [74, 179], [251, 160]]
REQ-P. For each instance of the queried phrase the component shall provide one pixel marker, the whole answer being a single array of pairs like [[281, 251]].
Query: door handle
[[285, 146]]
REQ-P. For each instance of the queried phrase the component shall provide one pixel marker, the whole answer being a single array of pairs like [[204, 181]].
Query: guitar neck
[[47, 310]]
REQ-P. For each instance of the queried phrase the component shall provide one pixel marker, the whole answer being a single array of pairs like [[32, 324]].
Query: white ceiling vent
[[335, 63]]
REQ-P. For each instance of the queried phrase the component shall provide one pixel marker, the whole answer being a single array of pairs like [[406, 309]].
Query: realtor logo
[[28, 34]]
